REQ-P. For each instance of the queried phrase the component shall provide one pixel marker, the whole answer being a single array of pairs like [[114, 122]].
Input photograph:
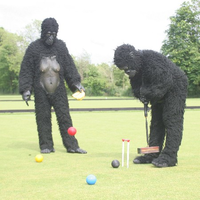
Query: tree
[[101, 79], [10, 59], [182, 44], [106, 72], [93, 81], [89, 75], [30, 33], [122, 83], [82, 62]]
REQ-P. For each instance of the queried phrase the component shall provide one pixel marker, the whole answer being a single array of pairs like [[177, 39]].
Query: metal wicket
[[127, 161]]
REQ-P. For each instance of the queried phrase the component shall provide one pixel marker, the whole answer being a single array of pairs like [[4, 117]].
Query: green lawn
[[62, 175], [86, 103]]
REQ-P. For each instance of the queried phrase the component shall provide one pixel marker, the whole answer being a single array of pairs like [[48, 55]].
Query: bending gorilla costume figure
[[156, 80], [45, 66]]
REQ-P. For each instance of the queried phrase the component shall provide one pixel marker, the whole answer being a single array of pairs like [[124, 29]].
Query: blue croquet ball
[[91, 179], [115, 163]]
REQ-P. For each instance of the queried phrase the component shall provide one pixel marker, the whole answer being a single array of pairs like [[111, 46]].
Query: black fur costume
[[46, 65], [158, 81]]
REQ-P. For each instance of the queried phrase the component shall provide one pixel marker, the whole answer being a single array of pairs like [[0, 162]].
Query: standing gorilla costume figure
[[156, 80], [45, 66]]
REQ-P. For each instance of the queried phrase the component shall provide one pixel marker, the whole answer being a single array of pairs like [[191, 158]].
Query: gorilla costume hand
[[26, 96], [79, 87], [143, 100]]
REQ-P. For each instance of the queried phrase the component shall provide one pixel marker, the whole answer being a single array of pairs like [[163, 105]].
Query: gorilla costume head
[[49, 31], [128, 59]]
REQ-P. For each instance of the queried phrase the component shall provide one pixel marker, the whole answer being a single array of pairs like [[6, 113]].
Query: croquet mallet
[[146, 150]]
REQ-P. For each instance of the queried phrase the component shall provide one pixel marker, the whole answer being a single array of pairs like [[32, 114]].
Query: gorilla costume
[[156, 80], [46, 65]]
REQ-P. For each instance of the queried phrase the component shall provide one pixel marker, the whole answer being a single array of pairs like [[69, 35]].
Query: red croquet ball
[[71, 131]]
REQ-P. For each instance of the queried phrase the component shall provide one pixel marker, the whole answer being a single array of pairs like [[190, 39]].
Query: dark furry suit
[[29, 79], [155, 79]]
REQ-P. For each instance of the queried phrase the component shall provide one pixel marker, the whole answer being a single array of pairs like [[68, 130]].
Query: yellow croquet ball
[[39, 158]]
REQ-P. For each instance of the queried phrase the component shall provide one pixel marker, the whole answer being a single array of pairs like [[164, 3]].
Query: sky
[[96, 27]]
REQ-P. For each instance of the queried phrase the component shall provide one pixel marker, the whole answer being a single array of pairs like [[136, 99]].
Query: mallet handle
[[145, 114], [147, 134]]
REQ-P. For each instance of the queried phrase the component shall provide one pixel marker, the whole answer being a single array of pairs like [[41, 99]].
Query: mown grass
[[62, 175], [105, 102]]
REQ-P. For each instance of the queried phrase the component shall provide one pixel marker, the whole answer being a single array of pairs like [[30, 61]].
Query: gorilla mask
[[49, 31], [128, 59]]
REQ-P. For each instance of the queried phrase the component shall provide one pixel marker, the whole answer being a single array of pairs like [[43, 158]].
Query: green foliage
[[106, 72], [98, 80], [101, 79], [82, 62], [12, 48], [10, 59], [93, 81], [30, 33], [182, 45]]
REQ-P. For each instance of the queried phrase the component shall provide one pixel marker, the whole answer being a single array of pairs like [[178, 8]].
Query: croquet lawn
[[63, 176]]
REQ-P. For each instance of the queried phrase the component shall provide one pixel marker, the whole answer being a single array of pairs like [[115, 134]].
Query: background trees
[[98, 80], [12, 48], [10, 59], [101, 79], [182, 46], [30, 33]]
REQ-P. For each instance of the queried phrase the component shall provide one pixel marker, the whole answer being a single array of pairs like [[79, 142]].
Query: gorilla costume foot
[[81, 151], [160, 165], [47, 150], [164, 161], [146, 159]]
